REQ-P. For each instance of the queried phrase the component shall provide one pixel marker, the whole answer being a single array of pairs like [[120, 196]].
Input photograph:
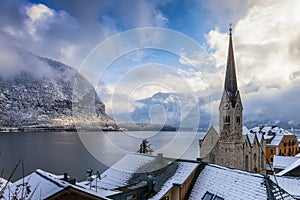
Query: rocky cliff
[[44, 99]]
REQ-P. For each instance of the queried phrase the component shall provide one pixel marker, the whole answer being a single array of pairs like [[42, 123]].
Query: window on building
[[207, 196], [262, 160], [212, 158], [238, 119], [227, 119], [218, 198], [271, 151], [271, 159], [132, 197], [280, 151], [210, 196], [284, 151], [246, 163], [255, 169], [254, 157]]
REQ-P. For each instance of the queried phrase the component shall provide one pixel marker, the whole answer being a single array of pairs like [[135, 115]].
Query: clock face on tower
[[226, 106]]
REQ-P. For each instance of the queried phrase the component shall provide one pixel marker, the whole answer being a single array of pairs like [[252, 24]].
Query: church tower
[[230, 143], [231, 109], [226, 147]]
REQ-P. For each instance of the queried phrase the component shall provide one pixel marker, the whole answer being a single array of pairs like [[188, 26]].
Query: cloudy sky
[[266, 44]]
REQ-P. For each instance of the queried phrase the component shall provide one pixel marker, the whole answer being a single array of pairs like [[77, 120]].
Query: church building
[[233, 145]]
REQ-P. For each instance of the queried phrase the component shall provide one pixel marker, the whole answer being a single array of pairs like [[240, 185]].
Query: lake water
[[59, 152], [72, 152]]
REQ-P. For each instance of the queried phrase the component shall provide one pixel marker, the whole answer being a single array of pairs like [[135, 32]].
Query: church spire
[[230, 78]]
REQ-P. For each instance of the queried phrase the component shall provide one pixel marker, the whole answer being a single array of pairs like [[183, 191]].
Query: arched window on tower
[[238, 120], [226, 119]]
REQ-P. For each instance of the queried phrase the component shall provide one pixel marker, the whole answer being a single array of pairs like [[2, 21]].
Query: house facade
[[144, 176], [279, 142]]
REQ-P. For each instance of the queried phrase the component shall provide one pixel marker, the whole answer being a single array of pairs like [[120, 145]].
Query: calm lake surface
[[59, 152]]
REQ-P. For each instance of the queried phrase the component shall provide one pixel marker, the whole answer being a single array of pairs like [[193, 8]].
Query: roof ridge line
[[49, 179]]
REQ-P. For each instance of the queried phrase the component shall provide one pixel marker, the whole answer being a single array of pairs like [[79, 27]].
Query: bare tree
[[22, 191]]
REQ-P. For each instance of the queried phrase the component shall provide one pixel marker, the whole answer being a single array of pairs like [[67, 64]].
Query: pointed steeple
[[230, 78]]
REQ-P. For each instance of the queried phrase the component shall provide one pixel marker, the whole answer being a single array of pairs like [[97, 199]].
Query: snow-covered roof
[[281, 162], [181, 174], [221, 181], [245, 130], [134, 168], [273, 134], [259, 137], [271, 129], [3, 182], [289, 168], [234, 184], [122, 171], [289, 184], [42, 185], [275, 141], [251, 136]]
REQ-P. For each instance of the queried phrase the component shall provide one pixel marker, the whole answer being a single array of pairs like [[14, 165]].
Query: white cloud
[[69, 32], [225, 11], [38, 14], [266, 45]]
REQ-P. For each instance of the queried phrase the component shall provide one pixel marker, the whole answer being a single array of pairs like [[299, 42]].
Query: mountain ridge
[[43, 99], [142, 113]]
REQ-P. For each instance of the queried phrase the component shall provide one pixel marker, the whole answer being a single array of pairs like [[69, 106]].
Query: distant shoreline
[[50, 129], [76, 129]]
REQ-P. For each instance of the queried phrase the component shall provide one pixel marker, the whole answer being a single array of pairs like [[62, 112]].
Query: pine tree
[[145, 147]]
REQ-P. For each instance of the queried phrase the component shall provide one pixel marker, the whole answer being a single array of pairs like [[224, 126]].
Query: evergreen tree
[[145, 147]]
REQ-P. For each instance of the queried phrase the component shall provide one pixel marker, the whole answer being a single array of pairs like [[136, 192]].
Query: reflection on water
[[60, 152]]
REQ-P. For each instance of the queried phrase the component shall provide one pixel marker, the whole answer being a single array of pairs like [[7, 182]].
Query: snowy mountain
[[168, 106], [161, 105], [44, 99], [170, 109], [251, 122]]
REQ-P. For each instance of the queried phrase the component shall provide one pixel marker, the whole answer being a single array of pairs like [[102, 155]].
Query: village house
[[221, 183], [279, 142], [143, 176], [44, 185], [282, 162], [292, 170]]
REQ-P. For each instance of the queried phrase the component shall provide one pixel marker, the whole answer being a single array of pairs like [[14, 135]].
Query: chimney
[[150, 183], [65, 177], [160, 157], [69, 180]]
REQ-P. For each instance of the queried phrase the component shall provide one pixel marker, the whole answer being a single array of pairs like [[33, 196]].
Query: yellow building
[[279, 142]]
